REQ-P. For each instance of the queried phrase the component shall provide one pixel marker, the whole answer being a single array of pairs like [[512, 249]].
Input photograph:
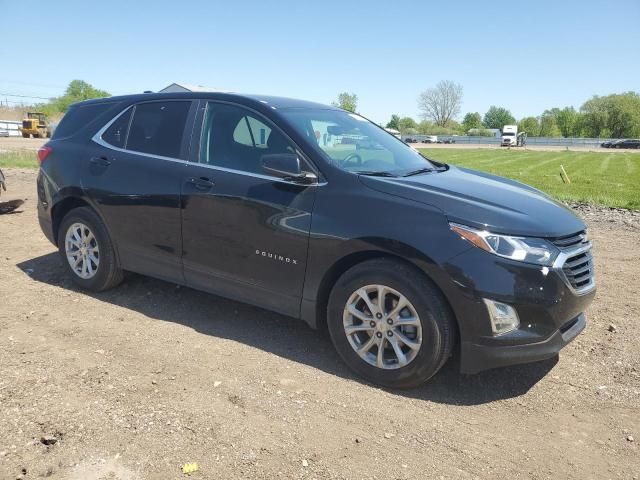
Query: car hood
[[484, 201]]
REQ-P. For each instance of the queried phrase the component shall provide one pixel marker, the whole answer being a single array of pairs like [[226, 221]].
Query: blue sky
[[552, 53]]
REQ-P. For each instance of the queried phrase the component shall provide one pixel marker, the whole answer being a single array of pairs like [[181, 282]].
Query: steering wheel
[[352, 158]]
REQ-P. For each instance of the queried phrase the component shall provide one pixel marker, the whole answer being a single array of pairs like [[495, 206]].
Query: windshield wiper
[[375, 173], [419, 171]]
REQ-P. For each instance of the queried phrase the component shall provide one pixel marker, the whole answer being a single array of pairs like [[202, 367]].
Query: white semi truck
[[509, 136]]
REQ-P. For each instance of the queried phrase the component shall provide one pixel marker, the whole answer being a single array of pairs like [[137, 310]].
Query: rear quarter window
[[116, 134], [80, 116]]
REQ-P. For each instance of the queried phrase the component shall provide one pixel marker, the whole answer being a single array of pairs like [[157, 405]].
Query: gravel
[[138, 381], [616, 217]]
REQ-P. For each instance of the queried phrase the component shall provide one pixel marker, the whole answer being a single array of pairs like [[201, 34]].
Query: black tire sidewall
[[431, 307], [107, 264]]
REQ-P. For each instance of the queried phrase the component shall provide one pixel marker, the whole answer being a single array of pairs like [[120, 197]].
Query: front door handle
[[101, 161], [201, 183]]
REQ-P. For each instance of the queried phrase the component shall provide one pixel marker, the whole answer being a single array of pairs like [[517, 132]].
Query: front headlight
[[524, 249]]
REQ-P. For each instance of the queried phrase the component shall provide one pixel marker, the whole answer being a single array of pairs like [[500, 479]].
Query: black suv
[[319, 214]]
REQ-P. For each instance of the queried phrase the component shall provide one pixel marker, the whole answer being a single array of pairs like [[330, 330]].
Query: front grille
[[576, 261], [570, 240], [579, 270]]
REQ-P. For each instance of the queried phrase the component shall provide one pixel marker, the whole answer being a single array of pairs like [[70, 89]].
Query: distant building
[[485, 132], [186, 87]]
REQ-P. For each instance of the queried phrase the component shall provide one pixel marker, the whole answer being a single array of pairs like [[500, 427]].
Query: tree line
[[76, 91], [611, 116]]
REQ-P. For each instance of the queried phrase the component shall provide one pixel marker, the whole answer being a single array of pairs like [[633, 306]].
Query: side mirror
[[287, 166]]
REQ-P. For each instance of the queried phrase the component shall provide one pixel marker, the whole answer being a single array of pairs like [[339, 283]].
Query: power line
[[24, 96], [7, 102]]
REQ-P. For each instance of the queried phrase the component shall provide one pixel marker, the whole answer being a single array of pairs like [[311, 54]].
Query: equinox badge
[[276, 257]]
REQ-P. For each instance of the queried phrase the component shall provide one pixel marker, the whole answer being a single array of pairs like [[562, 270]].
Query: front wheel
[[390, 323], [87, 251]]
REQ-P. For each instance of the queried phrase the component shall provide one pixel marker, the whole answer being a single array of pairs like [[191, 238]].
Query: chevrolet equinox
[[319, 214]]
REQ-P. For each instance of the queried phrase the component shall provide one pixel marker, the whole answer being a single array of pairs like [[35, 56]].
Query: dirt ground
[[9, 144], [134, 382], [12, 144]]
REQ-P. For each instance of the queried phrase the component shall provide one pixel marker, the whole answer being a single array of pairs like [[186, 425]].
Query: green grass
[[19, 159], [611, 179]]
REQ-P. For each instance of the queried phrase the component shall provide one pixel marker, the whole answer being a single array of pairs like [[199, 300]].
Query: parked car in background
[[410, 140], [394, 132], [430, 139], [404, 259], [607, 144], [449, 140], [629, 143]]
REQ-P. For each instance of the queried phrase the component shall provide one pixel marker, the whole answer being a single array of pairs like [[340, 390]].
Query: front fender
[[412, 233]]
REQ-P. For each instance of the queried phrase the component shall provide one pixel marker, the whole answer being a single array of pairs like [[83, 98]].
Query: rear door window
[[158, 128]]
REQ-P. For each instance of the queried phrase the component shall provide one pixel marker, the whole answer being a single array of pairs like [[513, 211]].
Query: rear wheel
[[87, 251], [390, 324]]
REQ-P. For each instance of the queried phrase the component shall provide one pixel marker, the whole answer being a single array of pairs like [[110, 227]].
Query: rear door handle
[[101, 161], [201, 183]]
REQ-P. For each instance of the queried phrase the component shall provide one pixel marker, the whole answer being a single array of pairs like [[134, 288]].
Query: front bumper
[[551, 313], [480, 357]]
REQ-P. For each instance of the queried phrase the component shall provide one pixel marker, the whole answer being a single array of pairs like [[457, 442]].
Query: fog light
[[504, 318]]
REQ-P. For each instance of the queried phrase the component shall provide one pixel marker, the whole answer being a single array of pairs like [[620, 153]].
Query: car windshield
[[354, 144], [508, 134]]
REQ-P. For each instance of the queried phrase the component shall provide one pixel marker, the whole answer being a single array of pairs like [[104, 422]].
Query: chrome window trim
[[257, 175], [564, 255], [97, 138]]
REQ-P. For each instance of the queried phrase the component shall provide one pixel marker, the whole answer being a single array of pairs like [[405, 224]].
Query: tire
[[426, 305], [106, 272], [25, 135]]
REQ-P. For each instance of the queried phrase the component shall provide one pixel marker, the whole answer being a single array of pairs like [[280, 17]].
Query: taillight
[[43, 153]]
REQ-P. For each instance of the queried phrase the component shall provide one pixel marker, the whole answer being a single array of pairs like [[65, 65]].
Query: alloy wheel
[[82, 250], [382, 327]]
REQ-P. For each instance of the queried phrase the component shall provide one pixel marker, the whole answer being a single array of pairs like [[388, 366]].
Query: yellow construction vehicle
[[35, 124]]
